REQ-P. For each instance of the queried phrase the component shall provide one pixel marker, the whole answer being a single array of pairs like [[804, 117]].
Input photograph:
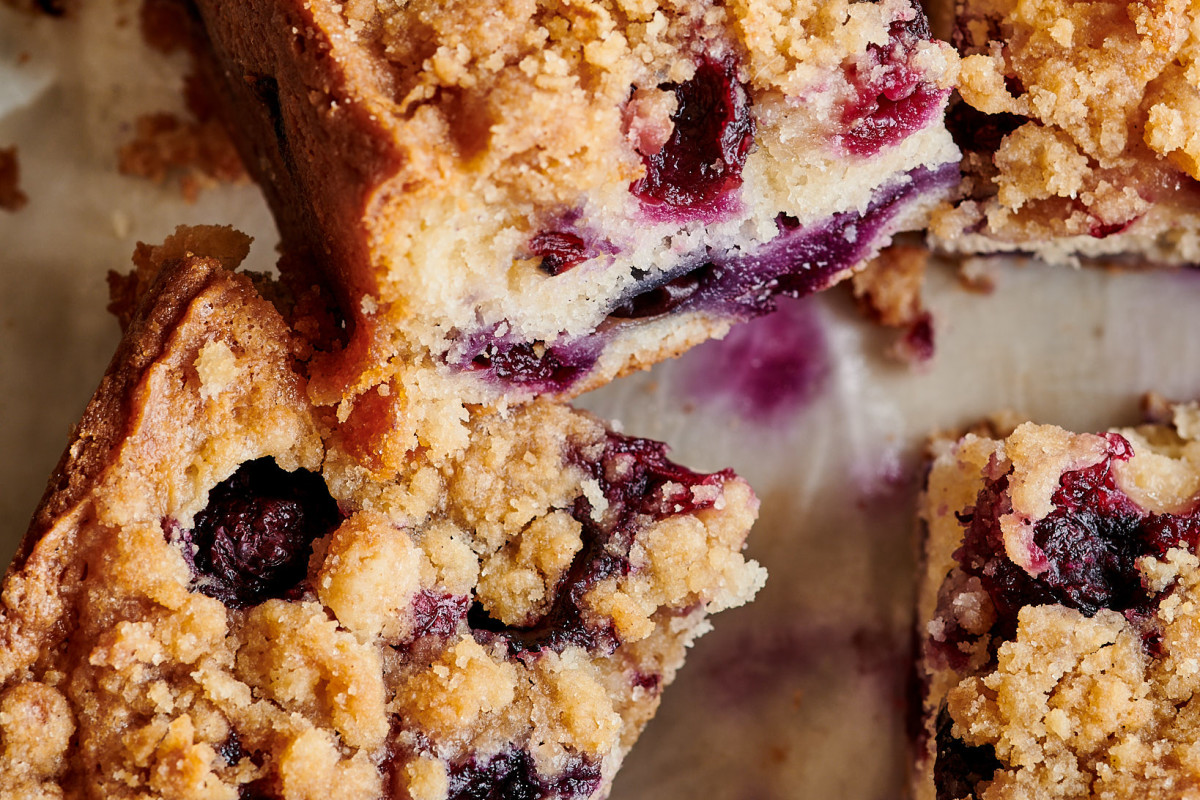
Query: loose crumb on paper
[[11, 196], [888, 292]]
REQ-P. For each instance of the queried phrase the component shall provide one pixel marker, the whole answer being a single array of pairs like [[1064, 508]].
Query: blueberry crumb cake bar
[[1079, 127], [537, 196], [1059, 613], [217, 600]]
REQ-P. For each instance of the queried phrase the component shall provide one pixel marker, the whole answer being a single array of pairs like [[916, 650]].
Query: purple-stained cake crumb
[[894, 99], [253, 540], [711, 136], [768, 369], [916, 346], [640, 486]]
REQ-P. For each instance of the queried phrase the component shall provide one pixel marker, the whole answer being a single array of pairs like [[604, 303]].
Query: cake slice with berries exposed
[[1058, 613], [1078, 128], [218, 599], [536, 197]]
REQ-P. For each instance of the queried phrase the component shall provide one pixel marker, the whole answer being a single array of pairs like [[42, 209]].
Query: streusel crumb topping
[[1106, 101]]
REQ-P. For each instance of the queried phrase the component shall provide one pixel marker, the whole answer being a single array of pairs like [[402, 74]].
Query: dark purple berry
[[1092, 541], [959, 768], [511, 775], [977, 132], [713, 131], [231, 749], [657, 301], [641, 486], [253, 539], [559, 251]]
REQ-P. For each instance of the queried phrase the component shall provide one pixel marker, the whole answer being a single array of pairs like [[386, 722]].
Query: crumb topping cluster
[[1095, 104]]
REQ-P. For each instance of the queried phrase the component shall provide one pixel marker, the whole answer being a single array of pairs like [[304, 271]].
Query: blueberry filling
[[738, 285], [893, 98], [534, 365], [253, 540], [712, 134], [640, 486], [959, 768], [1091, 542], [511, 775]]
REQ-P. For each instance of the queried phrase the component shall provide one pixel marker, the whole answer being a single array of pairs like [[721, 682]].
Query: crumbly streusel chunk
[[218, 599], [1058, 614], [1077, 125], [533, 197]]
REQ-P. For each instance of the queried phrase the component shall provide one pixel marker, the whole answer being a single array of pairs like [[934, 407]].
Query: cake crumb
[[217, 367], [11, 196], [198, 152], [888, 292]]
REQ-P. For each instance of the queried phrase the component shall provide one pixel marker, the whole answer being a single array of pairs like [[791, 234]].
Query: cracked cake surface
[[1057, 613], [219, 598], [1078, 126], [534, 197]]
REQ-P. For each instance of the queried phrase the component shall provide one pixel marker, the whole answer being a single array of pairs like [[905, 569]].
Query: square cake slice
[[1078, 127], [538, 196], [216, 600], [1059, 614]]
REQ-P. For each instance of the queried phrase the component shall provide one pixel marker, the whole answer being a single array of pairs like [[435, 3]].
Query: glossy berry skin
[[252, 541], [713, 131], [559, 251]]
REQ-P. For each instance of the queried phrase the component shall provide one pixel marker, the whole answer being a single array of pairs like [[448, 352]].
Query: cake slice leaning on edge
[[1078, 128], [1059, 613], [216, 600], [535, 197]]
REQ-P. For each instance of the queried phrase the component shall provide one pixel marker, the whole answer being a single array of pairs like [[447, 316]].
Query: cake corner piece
[[1056, 611], [217, 598], [537, 198]]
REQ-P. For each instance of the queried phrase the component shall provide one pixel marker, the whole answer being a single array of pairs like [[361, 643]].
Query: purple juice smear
[[765, 370]]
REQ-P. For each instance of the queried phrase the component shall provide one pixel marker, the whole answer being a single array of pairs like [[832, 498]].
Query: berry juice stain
[[765, 370]]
